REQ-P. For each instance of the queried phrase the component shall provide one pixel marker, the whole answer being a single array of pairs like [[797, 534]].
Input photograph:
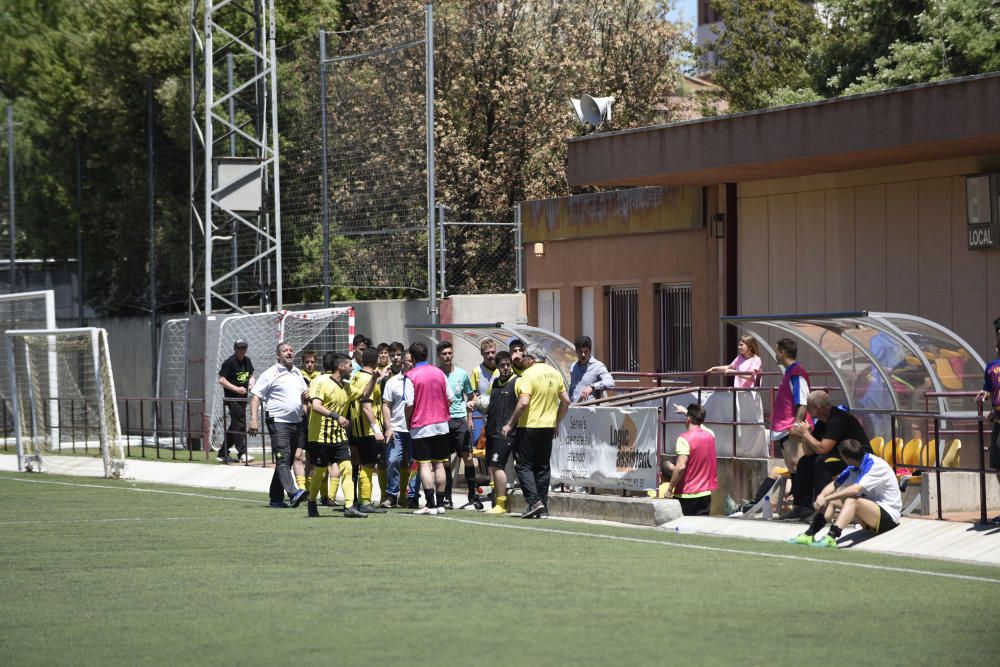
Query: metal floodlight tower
[[235, 185]]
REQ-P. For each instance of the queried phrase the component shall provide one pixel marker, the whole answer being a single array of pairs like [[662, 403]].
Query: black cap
[[240, 343]]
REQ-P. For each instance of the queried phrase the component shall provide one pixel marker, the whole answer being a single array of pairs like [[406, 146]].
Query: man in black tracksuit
[[503, 399]]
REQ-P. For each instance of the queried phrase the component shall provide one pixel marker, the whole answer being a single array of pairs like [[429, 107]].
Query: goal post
[[27, 310], [321, 330], [62, 391]]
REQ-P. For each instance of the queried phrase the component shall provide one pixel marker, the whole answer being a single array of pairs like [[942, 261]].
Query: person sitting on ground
[[866, 491], [693, 476], [745, 368]]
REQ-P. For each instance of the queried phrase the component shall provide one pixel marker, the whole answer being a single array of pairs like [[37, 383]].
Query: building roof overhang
[[933, 121]]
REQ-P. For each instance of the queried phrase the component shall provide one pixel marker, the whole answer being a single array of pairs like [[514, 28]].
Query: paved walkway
[[914, 537]]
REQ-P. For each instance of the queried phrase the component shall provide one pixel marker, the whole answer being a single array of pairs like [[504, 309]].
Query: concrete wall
[[888, 239], [130, 347]]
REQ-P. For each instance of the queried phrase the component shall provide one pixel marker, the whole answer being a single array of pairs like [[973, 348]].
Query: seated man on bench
[[866, 491]]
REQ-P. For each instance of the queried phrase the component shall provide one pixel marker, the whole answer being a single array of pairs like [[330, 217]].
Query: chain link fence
[[479, 257]]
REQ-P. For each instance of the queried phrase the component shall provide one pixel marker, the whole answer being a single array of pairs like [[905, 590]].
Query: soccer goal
[[62, 393], [321, 330]]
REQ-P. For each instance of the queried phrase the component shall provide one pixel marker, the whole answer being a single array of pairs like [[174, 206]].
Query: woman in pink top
[[745, 367]]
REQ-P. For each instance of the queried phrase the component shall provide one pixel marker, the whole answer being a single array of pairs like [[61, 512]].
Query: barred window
[[623, 329], [674, 329]]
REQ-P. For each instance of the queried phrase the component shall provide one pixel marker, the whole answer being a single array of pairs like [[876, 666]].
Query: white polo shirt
[[397, 393], [281, 390]]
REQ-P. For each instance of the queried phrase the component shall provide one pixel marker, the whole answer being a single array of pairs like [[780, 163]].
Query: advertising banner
[[610, 448]]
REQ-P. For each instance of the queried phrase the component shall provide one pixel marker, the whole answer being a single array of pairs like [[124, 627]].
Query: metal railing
[[954, 426], [665, 385], [154, 421]]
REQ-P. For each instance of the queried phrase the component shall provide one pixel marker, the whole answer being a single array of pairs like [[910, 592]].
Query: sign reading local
[[982, 210]]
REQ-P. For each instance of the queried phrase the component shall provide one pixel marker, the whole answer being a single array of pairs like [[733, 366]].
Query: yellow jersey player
[[366, 435], [330, 396], [310, 372]]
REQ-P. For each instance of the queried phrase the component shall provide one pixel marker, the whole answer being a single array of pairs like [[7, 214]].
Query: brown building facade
[[857, 203]]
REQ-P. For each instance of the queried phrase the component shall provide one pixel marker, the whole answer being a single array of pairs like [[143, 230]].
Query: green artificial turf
[[131, 573]]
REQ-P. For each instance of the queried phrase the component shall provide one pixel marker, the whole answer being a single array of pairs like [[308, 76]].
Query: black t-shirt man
[[841, 426], [236, 372], [816, 470]]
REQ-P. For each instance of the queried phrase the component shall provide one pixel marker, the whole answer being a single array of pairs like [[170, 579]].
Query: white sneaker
[[426, 510], [245, 458], [440, 510]]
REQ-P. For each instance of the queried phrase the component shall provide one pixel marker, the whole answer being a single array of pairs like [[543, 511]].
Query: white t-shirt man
[[397, 391], [878, 484], [281, 390]]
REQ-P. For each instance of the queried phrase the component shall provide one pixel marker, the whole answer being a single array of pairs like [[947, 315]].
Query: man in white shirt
[[283, 390], [396, 392], [866, 492]]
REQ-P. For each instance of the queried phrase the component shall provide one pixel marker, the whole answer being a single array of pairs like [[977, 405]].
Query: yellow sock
[[502, 502], [300, 481], [365, 484], [347, 482], [324, 488], [315, 484]]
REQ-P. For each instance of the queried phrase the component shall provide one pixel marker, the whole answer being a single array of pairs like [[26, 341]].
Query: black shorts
[[434, 448], [700, 506], [458, 436], [498, 449], [778, 447], [369, 450], [885, 522], [323, 454], [995, 444]]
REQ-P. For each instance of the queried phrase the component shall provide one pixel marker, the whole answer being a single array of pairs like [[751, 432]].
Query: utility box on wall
[[982, 210]]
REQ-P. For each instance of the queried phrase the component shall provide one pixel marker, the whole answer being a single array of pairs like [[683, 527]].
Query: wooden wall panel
[[840, 258], [754, 256], [934, 256], [810, 242], [782, 244], [969, 304], [902, 236], [869, 246]]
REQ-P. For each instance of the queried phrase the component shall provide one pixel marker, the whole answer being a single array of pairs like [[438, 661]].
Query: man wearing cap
[[283, 391], [542, 404], [237, 379]]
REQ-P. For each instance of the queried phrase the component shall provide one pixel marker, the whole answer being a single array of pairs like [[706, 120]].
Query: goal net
[[324, 330], [173, 412], [27, 310], [63, 396], [320, 330]]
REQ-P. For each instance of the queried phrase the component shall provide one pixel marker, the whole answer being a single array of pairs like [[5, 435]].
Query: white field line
[[742, 552], [124, 488], [143, 519], [574, 533]]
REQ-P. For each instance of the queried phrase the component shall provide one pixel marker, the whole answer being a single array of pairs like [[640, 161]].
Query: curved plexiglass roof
[[560, 351], [882, 361]]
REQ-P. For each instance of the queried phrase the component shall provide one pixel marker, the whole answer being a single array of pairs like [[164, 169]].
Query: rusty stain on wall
[[615, 213]]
